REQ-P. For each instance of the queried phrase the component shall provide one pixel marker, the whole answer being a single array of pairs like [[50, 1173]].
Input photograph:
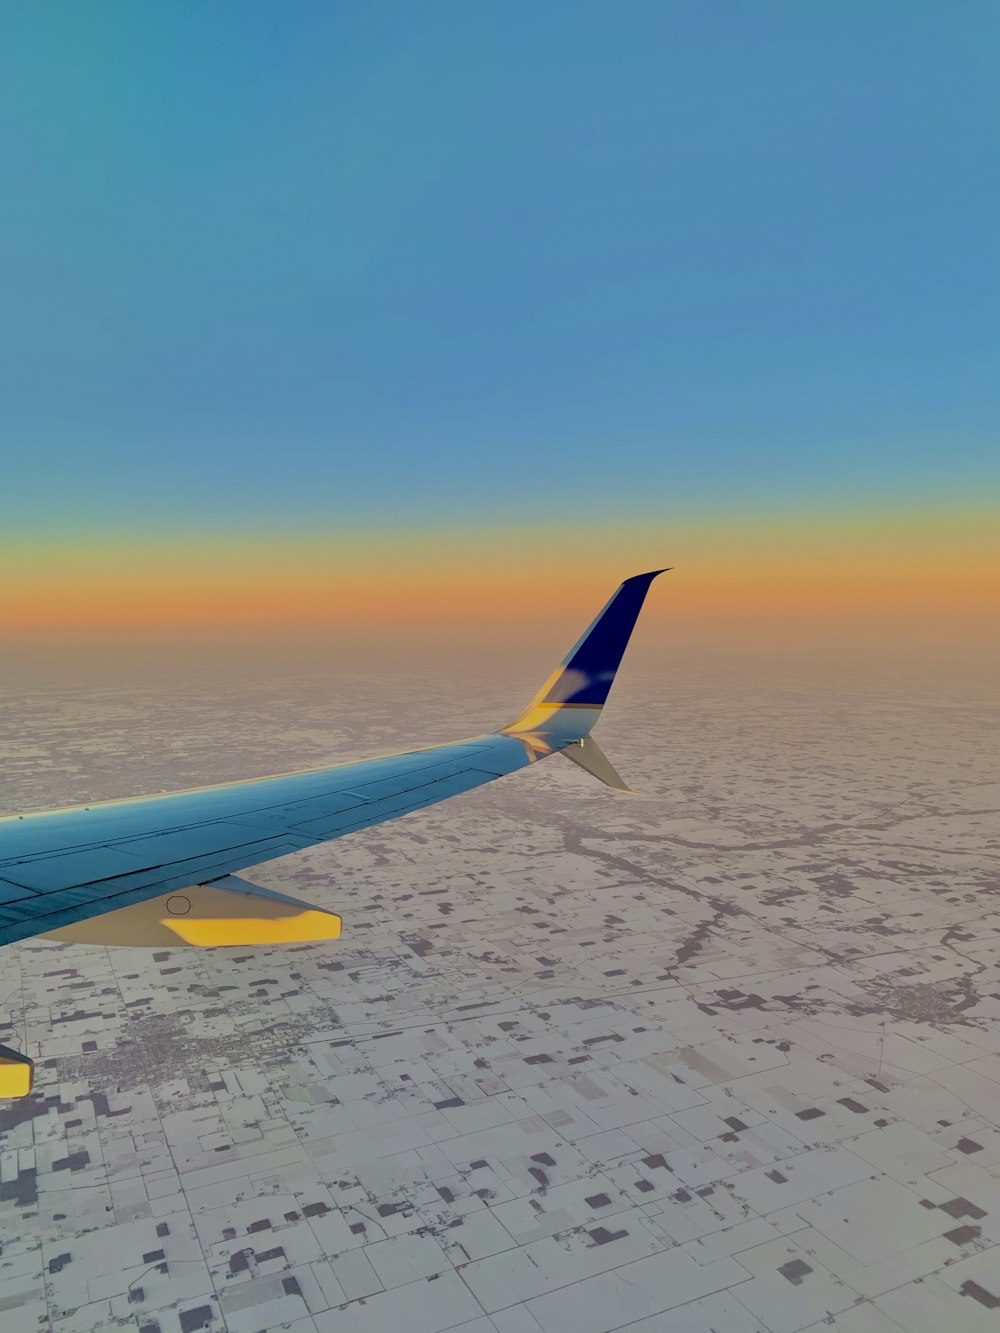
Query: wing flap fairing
[[227, 912]]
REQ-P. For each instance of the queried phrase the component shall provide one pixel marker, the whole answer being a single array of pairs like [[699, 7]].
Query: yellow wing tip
[[212, 932], [17, 1073]]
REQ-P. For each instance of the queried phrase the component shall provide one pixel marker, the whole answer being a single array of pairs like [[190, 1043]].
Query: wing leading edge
[[67, 866]]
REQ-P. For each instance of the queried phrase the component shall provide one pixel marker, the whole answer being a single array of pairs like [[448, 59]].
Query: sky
[[334, 313]]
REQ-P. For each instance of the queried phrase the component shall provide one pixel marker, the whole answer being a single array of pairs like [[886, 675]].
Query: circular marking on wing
[[178, 905]]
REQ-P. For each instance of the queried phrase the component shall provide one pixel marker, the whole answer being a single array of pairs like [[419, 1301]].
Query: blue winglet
[[590, 666], [585, 676]]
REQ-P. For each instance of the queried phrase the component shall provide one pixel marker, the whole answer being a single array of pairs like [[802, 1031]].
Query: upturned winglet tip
[[648, 576]]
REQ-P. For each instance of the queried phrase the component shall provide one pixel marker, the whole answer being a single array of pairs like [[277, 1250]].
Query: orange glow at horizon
[[848, 570]]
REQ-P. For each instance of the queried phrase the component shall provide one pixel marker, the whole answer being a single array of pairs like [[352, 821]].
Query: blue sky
[[388, 263]]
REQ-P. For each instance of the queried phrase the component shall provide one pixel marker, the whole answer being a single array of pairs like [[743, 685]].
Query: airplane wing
[[159, 870]]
